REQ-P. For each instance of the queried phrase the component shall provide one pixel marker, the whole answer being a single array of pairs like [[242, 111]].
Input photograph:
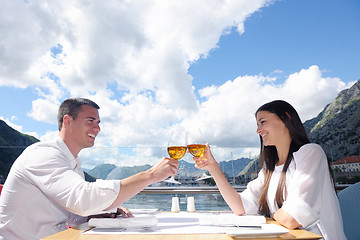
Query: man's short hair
[[72, 107]]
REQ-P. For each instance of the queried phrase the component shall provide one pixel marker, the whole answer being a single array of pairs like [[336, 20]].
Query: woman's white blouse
[[46, 190], [311, 198]]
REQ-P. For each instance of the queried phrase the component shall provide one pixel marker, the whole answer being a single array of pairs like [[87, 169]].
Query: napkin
[[231, 220], [144, 211], [136, 222]]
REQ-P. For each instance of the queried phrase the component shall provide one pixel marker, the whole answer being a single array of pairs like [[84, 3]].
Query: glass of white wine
[[197, 148], [176, 149]]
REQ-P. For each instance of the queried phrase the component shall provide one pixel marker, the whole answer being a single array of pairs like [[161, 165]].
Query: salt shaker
[[190, 204], [175, 205]]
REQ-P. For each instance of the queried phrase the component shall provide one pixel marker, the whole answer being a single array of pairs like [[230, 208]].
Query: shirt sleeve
[[251, 195], [58, 181], [75, 220], [304, 193]]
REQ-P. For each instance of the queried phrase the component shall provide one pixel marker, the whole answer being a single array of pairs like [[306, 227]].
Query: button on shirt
[[45, 190], [310, 199]]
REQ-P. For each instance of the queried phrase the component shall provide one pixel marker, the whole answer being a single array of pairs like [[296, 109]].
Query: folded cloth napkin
[[231, 220], [136, 222], [144, 211]]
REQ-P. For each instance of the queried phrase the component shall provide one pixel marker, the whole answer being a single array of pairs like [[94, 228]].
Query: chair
[[350, 210]]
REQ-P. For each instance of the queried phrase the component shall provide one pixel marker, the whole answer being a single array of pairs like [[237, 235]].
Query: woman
[[294, 186]]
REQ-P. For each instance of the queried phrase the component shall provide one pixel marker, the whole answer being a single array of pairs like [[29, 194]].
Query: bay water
[[162, 202]]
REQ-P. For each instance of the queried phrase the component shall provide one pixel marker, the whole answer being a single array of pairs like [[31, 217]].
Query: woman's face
[[271, 129]]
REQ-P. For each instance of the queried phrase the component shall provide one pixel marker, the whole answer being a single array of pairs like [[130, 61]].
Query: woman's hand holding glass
[[207, 161]]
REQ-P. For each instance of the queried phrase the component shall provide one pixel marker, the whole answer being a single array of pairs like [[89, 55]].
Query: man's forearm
[[130, 186]]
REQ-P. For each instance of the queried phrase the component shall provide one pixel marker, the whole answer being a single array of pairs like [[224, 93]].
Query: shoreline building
[[347, 166]]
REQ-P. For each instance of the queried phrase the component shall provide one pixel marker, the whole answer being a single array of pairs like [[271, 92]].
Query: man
[[45, 189]]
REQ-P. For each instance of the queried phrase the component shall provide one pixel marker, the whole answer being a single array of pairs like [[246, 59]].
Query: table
[[76, 234]]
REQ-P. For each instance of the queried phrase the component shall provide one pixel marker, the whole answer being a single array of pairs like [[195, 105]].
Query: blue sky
[[151, 65], [289, 35]]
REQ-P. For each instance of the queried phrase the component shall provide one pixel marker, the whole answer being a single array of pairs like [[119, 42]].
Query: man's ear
[[67, 120]]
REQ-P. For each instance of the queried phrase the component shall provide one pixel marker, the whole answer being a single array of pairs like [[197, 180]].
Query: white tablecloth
[[192, 223]]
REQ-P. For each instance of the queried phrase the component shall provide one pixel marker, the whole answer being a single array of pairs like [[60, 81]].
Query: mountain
[[234, 167], [185, 169], [337, 127], [124, 172], [101, 171], [89, 178], [230, 168], [12, 144]]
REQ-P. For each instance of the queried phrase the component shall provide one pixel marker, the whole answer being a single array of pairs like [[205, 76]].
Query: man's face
[[85, 127]]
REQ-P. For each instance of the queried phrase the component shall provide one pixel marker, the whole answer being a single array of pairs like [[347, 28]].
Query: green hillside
[[12, 144]]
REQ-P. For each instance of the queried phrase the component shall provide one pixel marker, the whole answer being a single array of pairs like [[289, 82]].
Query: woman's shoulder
[[310, 150], [311, 147]]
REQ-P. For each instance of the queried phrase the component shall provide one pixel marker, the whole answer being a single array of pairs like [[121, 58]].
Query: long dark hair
[[268, 154]]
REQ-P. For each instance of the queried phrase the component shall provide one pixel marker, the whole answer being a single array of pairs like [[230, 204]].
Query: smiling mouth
[[91, 136]]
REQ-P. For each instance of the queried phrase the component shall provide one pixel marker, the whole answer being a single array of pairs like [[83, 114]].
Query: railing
[[204, 190], [186, 190], [340, 187], [207, 198]]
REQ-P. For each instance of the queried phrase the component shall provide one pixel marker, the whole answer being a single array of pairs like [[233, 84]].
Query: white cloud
[[138, 44], [49, 135], [132, 58], [309, 92], [44, 110], [27, 31], [227, 114], [138, 119]]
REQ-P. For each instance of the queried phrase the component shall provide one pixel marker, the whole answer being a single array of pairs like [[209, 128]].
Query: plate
[[267, 230], [144, 211]]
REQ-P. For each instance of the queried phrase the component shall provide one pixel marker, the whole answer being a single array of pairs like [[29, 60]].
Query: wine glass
[[197, 149], [176, 149]]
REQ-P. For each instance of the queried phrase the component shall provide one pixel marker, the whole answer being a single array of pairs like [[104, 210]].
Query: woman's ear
[[288, 115]]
